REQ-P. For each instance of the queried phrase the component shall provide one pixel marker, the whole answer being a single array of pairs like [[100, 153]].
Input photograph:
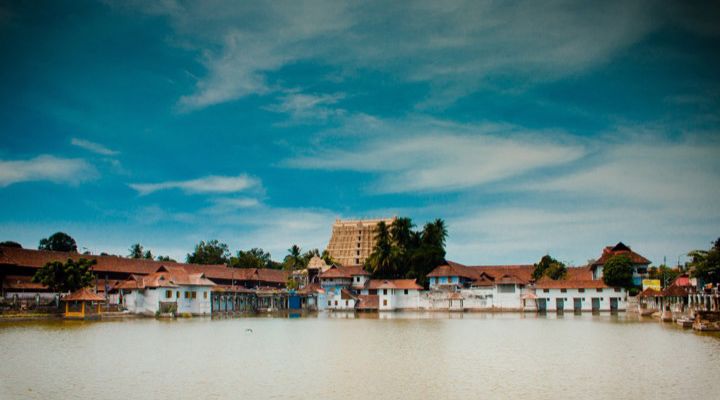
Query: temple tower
[[352, 241]]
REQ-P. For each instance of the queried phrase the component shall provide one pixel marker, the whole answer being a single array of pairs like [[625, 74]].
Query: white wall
[[552, 295]]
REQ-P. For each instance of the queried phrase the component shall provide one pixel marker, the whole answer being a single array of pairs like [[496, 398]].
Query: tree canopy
[[705, 265], [401, 252], [59, 241], [66, 277], [137, 251], [210, 252], [618, 272], [549, 267], [294, 260], [253, 258], [10, 243], [664, 274]]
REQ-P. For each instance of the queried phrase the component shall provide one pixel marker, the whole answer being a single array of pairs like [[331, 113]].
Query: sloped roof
[[650, 292], [483, 273], [337, 271], [167, 277], [14, 282], [410, 284], [620, 249], [547, 283], [84, 294], [38, 258]]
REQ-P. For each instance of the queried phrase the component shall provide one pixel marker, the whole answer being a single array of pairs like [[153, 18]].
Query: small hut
[[79, 303]]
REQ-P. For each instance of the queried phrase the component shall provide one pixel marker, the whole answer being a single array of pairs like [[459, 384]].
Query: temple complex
[[352, 241]]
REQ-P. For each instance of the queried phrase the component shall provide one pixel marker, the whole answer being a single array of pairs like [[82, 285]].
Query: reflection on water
[[359, 356]]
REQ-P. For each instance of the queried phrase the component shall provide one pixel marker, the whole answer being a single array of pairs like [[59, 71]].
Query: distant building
[[352, 241], [168, 290], [640, 264]]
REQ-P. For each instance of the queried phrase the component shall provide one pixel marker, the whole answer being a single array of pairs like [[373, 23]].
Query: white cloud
[[225, 205], [646, 169], [93, 147], [302, 106], [430, 155], [208, 184], [46, 168], [454, 46]]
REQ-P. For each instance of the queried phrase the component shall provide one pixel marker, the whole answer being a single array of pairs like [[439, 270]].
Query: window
[[384, 302], [346, 303], [177, 294], [335, 302], [384, 291], [546, 290], [357, 279], [194, 295], [187, 295], [406, 292], [357, 253], [506, 288], [329, 303], [599, 290], [617, 289], [563, 290], [357, 261], [168, 294], [581, 290], [204, 295]]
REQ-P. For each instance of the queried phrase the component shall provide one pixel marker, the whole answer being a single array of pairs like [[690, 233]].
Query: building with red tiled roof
[[168, 290], [24, 262], [639, 263]]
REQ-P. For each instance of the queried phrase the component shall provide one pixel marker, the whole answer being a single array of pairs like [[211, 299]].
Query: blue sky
[[529, 127]]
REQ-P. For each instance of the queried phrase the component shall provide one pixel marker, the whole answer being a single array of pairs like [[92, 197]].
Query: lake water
[[393, 356]]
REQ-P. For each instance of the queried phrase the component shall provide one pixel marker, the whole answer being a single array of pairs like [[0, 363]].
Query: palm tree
[[293, 260], [382, 261], [401, 231]]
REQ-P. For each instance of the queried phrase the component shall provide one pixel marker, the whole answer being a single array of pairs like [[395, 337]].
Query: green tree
[[165, 258], [618, 272], [705, 265], [549, 267], [294, 259], [210, 252], [328, 258], [66, 277], [10, 243], [381, 262], [253, 258], [58, 241], [136, 251], [664, 274]]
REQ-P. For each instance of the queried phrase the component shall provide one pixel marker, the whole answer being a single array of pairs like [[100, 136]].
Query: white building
[[578, 295], [168, 290]]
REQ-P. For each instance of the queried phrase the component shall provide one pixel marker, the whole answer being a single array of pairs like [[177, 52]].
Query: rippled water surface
[[394, 356]]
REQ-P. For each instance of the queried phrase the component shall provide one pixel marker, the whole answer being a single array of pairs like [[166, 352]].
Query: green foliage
[[400, 252], [66, 277], [165, 258], [58, 241], [618, 271], [211, 252], [294, 260], [705, 265], [549, 267], [292, 284], [10, 243], [328, 258], [253, 258]]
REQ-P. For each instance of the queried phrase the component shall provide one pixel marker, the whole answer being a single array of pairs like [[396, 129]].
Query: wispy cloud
[[415, 155], [455, 46], [208, 184], [303, 106], [93, 147], [46, 168], [226, 205]]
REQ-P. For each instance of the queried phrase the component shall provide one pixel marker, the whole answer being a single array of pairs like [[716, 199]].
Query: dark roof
[[521, 274], [620, 249], [337, 271]]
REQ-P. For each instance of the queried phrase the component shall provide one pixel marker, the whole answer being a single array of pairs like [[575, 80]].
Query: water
[[395, 356]]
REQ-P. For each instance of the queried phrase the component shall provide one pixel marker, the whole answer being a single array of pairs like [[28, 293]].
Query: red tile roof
[[410, 284], [650, 292], [83, 294], [620, 249], [38, 259], [481, 273], [167, 277], [547, 283], [337, 271], [13, 282]]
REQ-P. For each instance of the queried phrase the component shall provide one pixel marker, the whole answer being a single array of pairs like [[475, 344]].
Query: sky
[[530, 127]]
